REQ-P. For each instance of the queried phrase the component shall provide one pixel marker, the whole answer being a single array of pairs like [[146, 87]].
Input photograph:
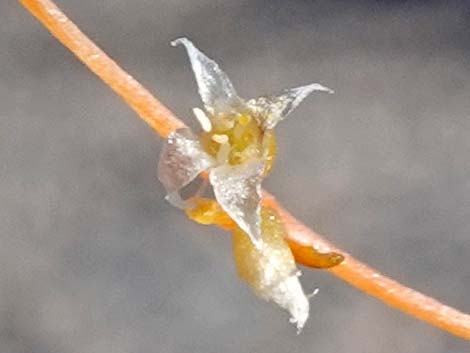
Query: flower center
[[236, 140]]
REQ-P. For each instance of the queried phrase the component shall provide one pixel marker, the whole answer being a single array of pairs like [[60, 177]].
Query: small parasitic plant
[[302, 241], [237, 147]]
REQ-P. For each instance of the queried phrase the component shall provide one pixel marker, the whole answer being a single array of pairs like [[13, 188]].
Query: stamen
[[224, 151], [203, 119], [221, 139]]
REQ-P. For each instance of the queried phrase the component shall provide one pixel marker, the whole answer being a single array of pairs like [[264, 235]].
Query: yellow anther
[[219, 138]]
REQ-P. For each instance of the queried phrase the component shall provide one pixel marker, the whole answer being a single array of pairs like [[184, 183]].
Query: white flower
[[235, 168]]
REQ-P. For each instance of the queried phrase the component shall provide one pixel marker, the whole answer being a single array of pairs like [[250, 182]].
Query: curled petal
[[181, 160], [238, 191], [269, 110], [215, 88]]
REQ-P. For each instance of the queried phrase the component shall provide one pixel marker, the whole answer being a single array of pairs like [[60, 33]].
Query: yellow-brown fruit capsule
[[270, 268]]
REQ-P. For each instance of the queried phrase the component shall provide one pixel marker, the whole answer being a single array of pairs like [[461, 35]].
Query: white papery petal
[[238, 191], [289, 295], [269, 110], [215, 88], [181, 160]]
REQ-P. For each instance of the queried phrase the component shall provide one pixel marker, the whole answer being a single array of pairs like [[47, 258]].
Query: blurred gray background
[[93, 260]]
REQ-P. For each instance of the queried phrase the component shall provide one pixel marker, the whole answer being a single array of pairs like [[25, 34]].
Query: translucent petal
[[238, 191], [215, 88], [181, 160], [270, 110]]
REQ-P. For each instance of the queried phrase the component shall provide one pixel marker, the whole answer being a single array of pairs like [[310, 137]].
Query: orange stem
[[154, 113], [163, 121], [376, 284]]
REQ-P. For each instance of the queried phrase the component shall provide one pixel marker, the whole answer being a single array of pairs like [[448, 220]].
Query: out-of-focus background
[[93, 260]]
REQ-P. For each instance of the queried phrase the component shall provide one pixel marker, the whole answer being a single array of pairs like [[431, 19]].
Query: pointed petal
[[181, 160], [238, 191], [270, 110], [215, 88]]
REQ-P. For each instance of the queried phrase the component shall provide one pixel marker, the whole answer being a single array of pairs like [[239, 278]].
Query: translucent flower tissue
[[237, 147], [239, 134]]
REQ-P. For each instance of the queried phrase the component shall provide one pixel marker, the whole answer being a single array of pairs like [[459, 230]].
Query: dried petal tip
[[293, 299], [215, 88], [270, 110], [318, 87]]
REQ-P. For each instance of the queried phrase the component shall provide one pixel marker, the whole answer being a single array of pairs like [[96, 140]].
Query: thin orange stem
[[154, 113], [376, 284], [163, 121]]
